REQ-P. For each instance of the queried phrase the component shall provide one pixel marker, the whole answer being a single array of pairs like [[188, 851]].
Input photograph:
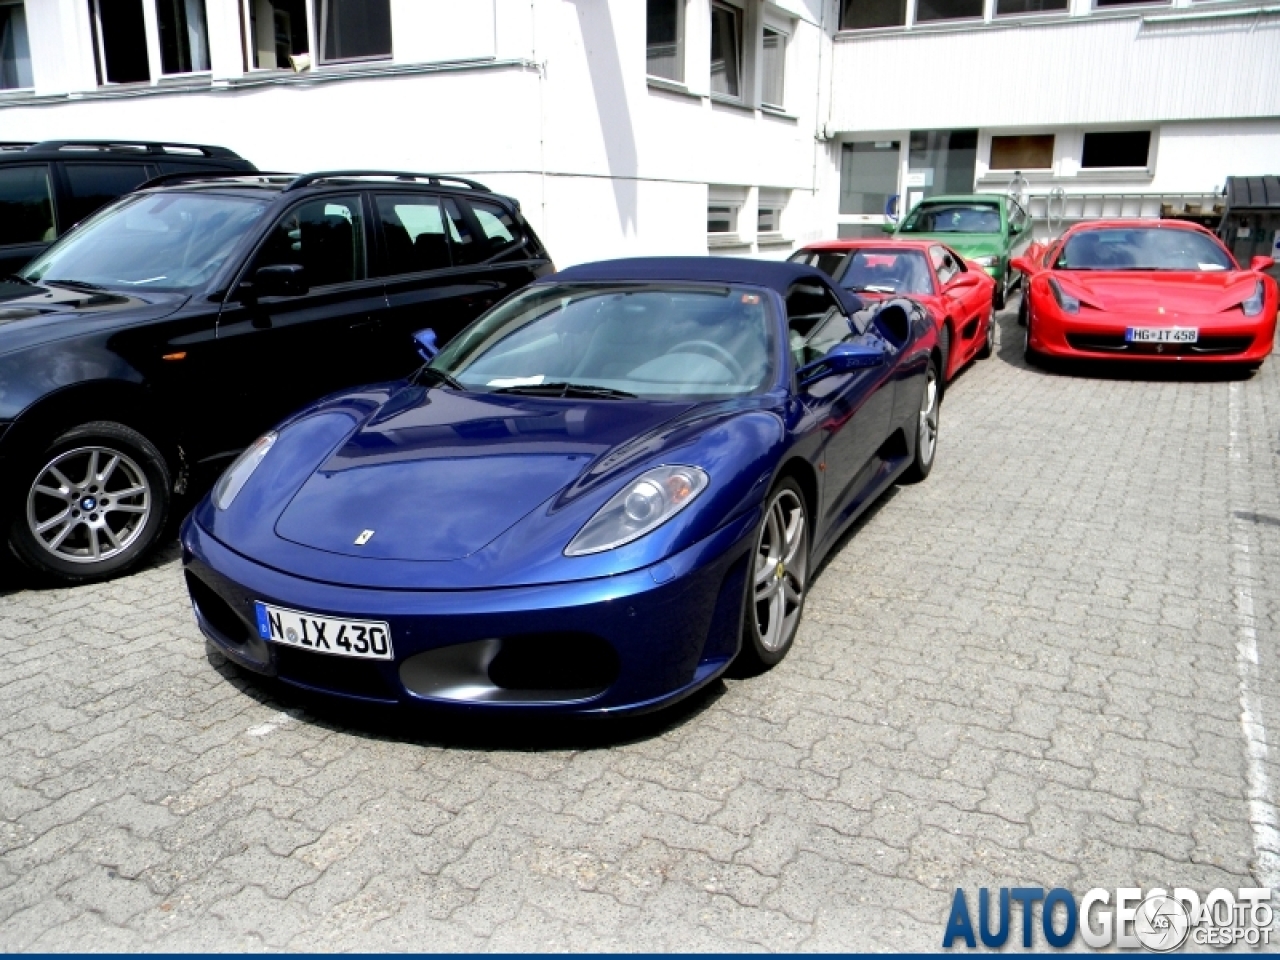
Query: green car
[[990, 229]]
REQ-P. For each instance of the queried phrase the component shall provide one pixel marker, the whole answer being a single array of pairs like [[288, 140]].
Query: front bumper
[[623, 644], [1096, 335]]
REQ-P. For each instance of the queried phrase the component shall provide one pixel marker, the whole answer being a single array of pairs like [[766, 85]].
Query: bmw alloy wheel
[[781, 566], [88, 504]]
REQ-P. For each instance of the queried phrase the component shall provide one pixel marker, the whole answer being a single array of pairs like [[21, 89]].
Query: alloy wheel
[[88, 504], [781, 568], [927, 437]]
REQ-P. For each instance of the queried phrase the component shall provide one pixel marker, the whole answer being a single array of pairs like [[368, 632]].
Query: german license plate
[[363, 639], [1162, 335]]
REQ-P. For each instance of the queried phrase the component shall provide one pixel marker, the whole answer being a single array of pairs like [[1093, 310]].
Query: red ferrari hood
[[1159, 292]]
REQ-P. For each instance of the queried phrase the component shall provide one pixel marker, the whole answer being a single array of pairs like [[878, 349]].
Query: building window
[[722, 219], [123, 39], [1122, 148], [726, 50], [928, 11], [184, 36], [15, 53], [1010, 7], [769, 212], [1124, 3], [773, 68], [278, 33], [354, 30], [1022, 153], [664, 35], [866, 14]]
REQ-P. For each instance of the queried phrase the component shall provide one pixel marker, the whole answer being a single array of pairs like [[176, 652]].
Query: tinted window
[[168, 241], [479, 231], [94, 185], [354, 29], [888, 271], [326, 237], [1122, 148], [815, 322], [26, 208], [862, 14], [413, 234], [828, 261], [1143, 249]]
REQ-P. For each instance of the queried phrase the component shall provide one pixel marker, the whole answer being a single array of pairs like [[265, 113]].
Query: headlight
[[238, 474], [1066, 301], [987, 261], [1253, 306], [643, 505]]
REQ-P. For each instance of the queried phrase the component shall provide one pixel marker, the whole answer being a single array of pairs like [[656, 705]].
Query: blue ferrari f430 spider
[[592, 500]]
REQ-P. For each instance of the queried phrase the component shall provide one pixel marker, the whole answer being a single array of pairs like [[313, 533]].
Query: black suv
[[147, 347], [46, 188]]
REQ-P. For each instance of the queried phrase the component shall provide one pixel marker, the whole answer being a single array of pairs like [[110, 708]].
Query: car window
[[828, 261], [1017, 215], [325, 237], [953, 218], [480, 231], [26, 205], [93, 185], [413, 234], [944, 264], [815, 322], [887, 270], [153, 241], [1143, 248]]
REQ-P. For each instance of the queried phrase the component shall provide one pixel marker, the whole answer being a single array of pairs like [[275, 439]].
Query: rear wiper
[[438, 377], [567, 390], [76, 284]]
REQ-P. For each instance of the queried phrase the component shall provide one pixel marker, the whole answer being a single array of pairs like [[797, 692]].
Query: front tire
[[777, 580], [926, 427], [1000, 296], [91, 504]]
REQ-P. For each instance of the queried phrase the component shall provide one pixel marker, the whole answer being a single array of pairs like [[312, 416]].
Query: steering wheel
[[713, 350]]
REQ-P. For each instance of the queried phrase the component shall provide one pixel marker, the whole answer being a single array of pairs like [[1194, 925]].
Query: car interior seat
[[328, 250]]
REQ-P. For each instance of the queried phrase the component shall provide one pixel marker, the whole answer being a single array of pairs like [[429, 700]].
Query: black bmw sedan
[[149, 345]]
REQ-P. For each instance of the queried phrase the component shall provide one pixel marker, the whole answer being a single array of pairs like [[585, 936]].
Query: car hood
[[1159, 292], [33, 314], [465, 490], [447, 474]]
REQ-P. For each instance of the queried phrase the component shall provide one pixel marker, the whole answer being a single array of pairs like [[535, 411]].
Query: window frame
[[151, 41], [739, 15], [990, 13], [368, 215], [991, 150], [52, 188], [1147, 165], [315, 40], [681, 38], [381, 267], [22, 6], [733, 216], [783, 33], [317, 35]]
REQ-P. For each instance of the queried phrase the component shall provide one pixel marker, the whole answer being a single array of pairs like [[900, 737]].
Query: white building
[[674, 126]]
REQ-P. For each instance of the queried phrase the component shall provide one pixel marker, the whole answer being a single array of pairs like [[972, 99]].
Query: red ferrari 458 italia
[[1146, 290], [957, 292]]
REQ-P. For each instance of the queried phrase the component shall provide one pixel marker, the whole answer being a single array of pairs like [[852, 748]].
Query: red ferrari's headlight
[[1066, 301], [1253, 306]]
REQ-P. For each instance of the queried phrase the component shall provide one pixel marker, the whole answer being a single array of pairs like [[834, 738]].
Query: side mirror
[[280, 280], [1022, 265], [888, 226], [1014, 228], [425, 341], [1262, 264], [843, 357]]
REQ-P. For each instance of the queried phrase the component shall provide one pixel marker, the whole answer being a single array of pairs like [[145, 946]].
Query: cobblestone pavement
[[1028, 671]]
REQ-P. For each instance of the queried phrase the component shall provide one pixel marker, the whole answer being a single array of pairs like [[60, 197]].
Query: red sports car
[[957, 292], [1146, 290]]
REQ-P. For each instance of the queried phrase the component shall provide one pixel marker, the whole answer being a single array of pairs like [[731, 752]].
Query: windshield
[[1143, 248], [887, 271], [953, 218], [159, 241], [647, 340]]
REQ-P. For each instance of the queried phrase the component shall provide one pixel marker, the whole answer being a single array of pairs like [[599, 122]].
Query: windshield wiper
[[14, 278], [76, 284], [437, 377], [871, 288], [565, 389]]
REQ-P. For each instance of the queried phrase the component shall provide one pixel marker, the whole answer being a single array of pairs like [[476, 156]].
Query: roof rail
[[148, 147], [435, 179], [15, 144], [265, 176]]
